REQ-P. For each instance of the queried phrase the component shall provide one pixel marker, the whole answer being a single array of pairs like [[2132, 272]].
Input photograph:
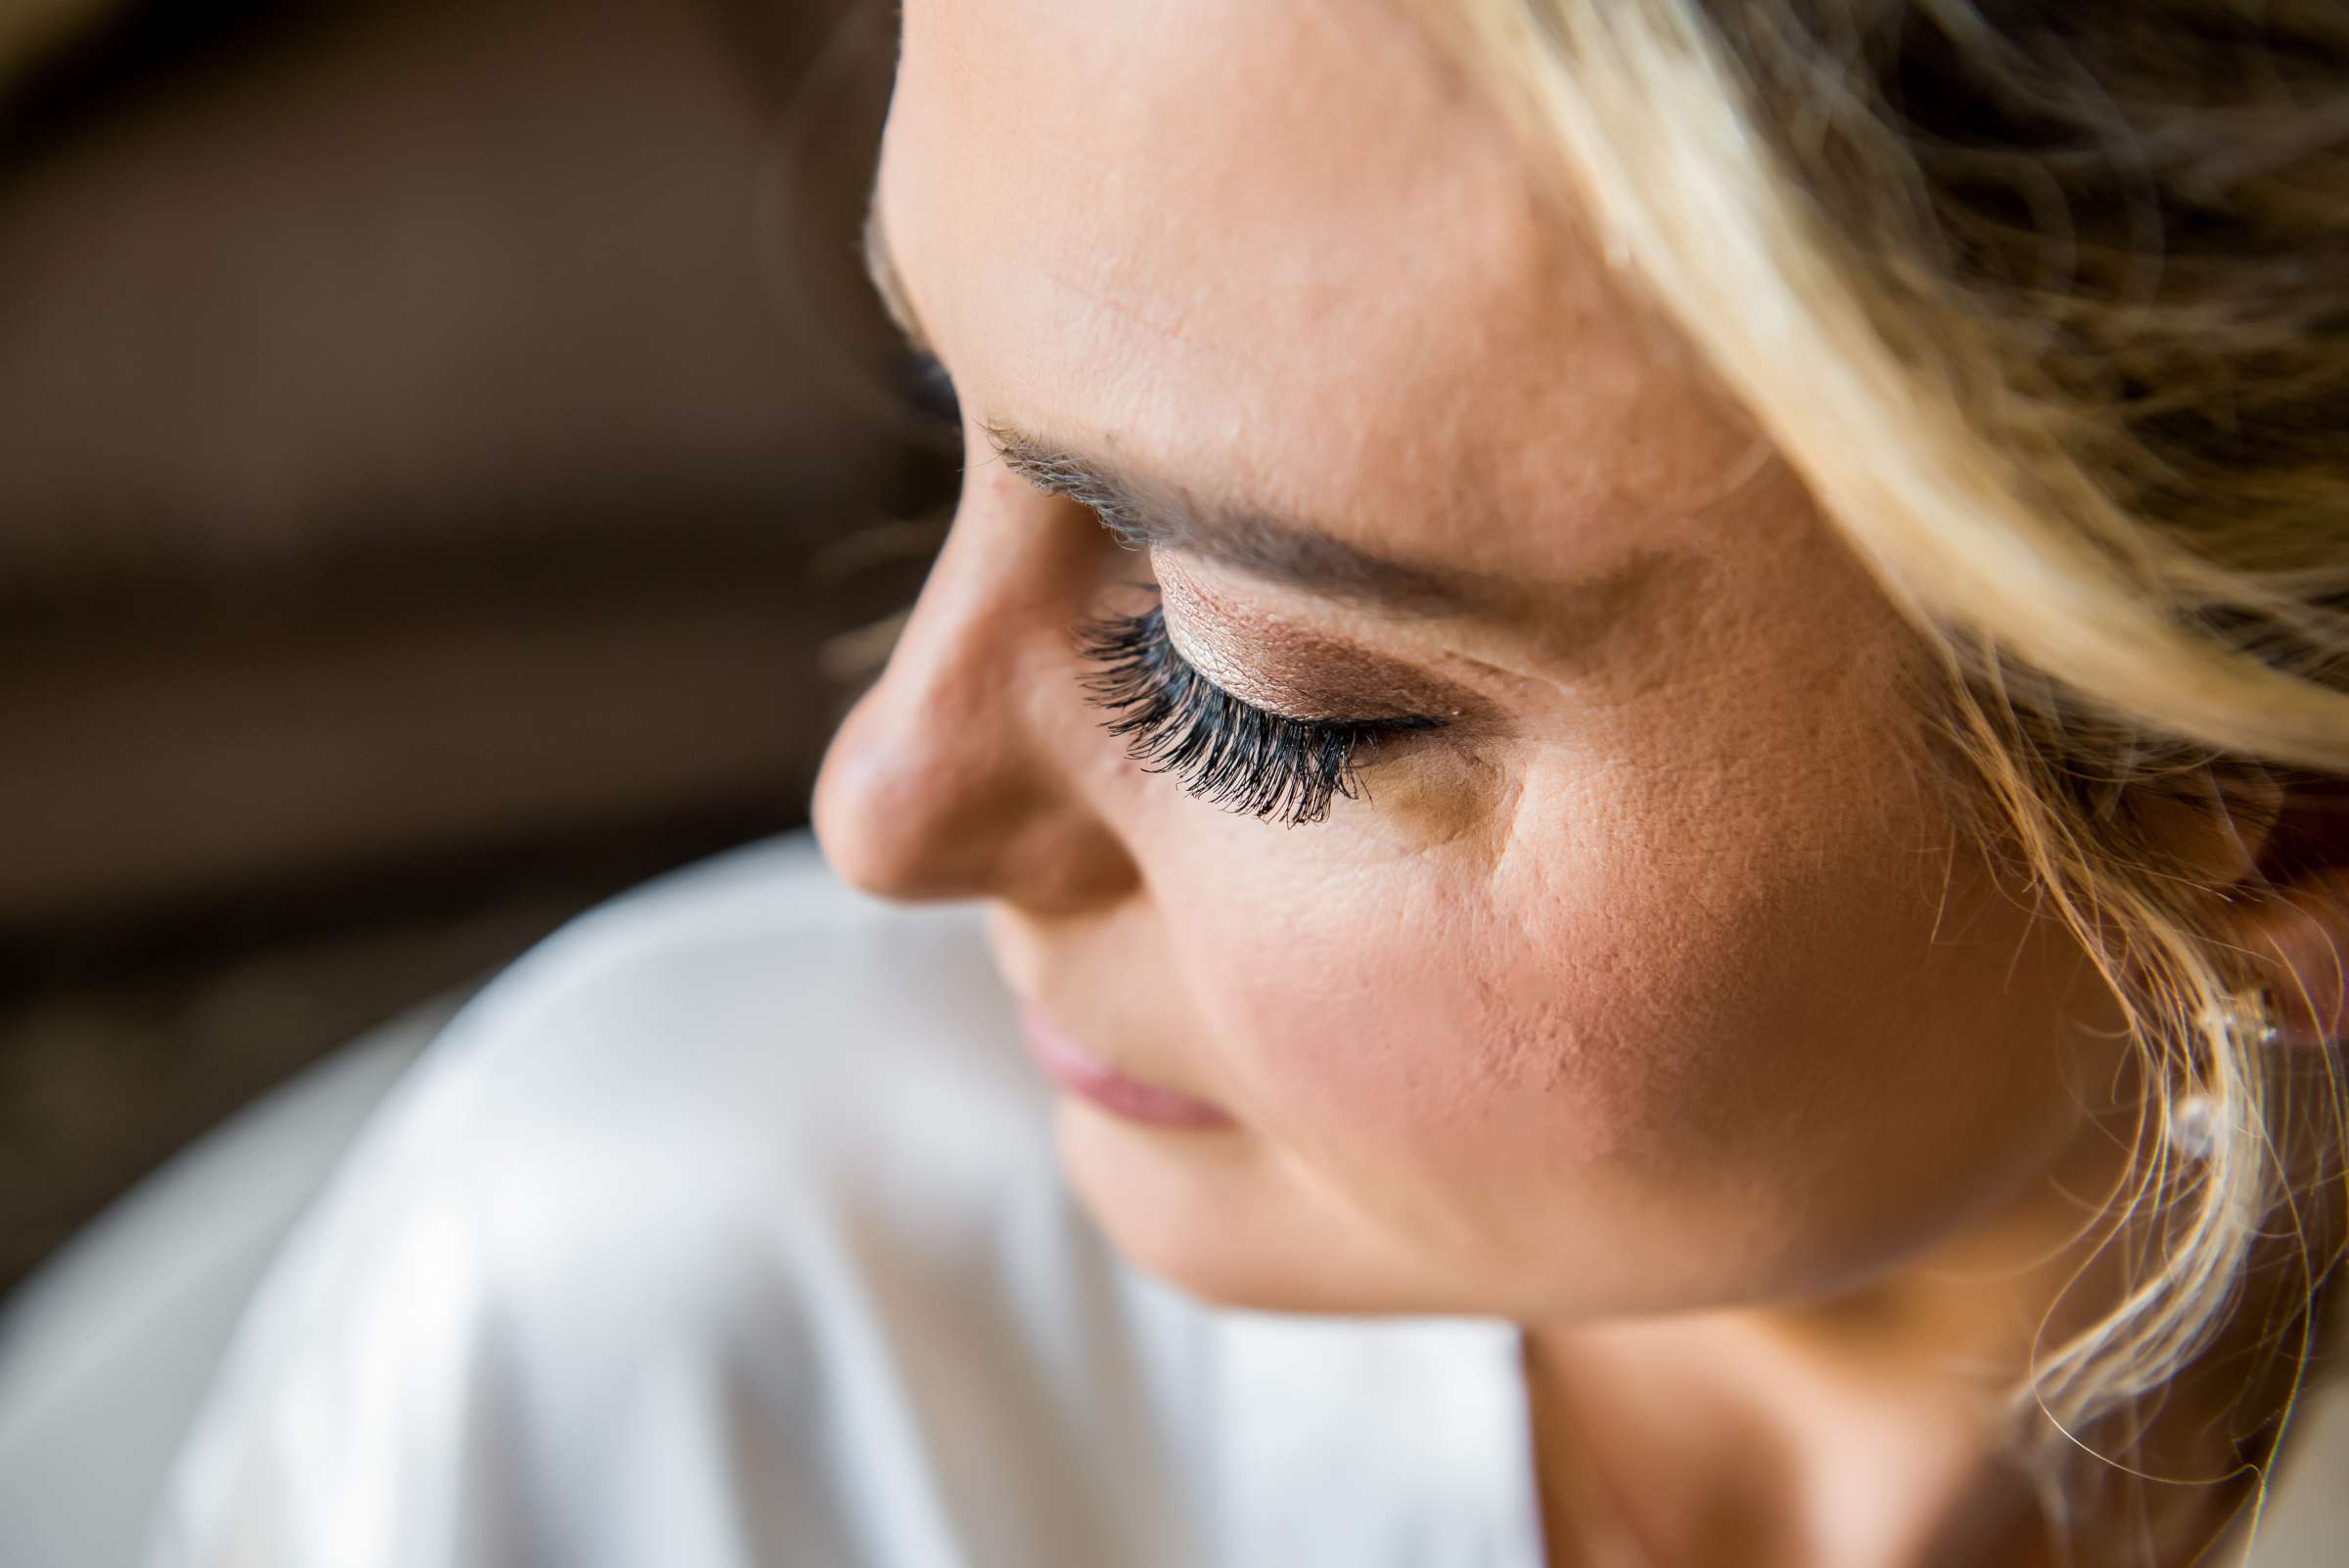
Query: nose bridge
[[952, 777], [993, 609]]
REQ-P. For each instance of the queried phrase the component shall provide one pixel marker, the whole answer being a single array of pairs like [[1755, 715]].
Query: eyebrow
[[1142, 516], [1264, 548]]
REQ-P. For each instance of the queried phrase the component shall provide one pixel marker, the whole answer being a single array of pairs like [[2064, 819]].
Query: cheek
[[1633, 1041], [1581, 997], [1588, 907]]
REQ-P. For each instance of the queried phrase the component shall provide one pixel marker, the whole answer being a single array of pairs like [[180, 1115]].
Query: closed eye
[[1223, 748]]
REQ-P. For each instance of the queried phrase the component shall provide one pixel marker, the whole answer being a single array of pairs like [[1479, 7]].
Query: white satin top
[[726, 1231]]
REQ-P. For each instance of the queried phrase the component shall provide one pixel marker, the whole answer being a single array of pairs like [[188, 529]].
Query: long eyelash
[[1175, 721]]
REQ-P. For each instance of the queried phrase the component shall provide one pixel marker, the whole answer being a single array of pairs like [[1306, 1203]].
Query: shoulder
[[726, 1229], [756, 1000], [760, 951], [747, 1046], [689, 1179]]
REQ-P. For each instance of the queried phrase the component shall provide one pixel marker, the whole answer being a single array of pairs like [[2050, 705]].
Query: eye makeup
[[1224, 750], [1223, 747]]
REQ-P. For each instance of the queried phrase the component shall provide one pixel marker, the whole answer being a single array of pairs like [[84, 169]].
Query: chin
[[1222, 1218]]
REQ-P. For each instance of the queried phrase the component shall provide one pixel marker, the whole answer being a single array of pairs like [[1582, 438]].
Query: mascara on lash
[[1223, 749]]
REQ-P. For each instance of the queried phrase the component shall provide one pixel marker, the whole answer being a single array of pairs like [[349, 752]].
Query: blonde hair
[[2049, 307]]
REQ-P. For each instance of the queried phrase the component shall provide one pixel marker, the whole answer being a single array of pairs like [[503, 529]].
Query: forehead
[[1278, 250]]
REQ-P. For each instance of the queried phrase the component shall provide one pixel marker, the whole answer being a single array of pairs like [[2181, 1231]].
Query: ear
[[2294, 920]]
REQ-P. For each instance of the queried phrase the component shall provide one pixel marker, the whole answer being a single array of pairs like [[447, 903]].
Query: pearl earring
[[2194, 1126], [2247, 1017]]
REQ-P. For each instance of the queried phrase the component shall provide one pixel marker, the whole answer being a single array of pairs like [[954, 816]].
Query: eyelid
[[1207, 670], [1397, 724], [1184, 603], [1223, 748], [1340, 673]]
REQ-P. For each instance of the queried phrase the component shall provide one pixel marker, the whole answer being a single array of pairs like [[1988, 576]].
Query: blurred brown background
[[440, 442]]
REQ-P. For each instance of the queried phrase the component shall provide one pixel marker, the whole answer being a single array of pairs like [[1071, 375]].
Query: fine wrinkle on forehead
[[1344, 306]]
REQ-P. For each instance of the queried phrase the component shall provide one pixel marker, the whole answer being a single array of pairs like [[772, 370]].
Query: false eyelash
[[1175, 721]]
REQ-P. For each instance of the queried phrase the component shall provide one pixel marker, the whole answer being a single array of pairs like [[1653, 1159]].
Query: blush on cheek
[[1415, 1033], [1570, 1012]]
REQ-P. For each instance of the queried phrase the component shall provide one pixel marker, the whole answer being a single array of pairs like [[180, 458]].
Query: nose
[[962, 772]]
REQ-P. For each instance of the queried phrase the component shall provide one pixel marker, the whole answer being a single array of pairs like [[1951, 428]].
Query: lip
[[1076, 1070]]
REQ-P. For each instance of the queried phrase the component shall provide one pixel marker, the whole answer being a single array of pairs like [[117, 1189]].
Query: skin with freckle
[[1658, 978]]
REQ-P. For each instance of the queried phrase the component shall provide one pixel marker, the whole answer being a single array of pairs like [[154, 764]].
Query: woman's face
[[1647, 971]]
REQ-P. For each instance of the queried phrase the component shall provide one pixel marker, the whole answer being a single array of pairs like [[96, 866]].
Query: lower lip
[[1072, 1068]]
